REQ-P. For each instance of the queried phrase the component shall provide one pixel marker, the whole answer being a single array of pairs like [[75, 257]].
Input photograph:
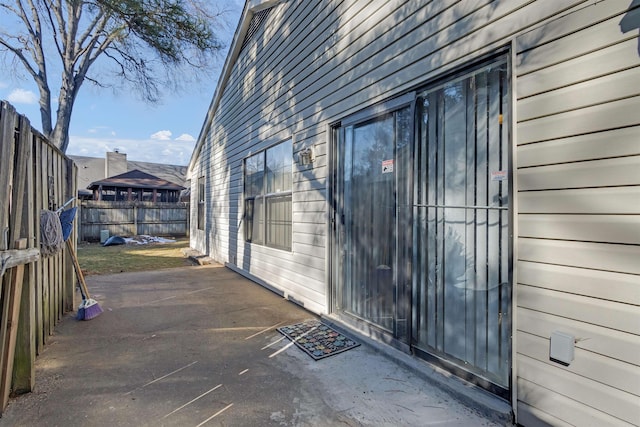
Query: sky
[[104, 120]]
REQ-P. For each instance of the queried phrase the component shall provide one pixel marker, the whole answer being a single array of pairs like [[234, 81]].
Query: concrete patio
[[198, 346]]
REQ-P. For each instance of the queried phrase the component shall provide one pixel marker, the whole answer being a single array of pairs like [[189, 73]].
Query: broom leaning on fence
[[55, 229]]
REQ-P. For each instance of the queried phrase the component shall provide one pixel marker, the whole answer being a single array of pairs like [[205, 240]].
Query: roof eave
[[250, 8]]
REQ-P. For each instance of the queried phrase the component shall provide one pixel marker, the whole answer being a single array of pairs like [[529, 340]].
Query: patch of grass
[[97, 259]]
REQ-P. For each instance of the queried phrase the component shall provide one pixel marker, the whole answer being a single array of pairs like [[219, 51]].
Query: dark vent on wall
[[255, 24]]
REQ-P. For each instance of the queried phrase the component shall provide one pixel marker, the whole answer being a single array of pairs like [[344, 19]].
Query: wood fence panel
[[35, 291], [47, 272], [39, 267], [132, 218], [12, 294], [23, 380], [7, 127]]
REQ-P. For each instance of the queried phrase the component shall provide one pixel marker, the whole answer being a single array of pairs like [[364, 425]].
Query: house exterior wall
[[576, 148]]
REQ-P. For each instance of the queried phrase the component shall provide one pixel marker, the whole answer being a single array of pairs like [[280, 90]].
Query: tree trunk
[[45, 109], [68, 93]]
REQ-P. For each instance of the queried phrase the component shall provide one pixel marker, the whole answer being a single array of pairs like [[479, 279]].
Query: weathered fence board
[[132, 218], [35, 292]]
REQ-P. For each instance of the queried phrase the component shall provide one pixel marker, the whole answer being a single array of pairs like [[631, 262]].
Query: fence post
[[135, 220], [7, 147]]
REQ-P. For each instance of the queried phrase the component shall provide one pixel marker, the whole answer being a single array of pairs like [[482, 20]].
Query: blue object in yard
[[114, 240], [66, 221]]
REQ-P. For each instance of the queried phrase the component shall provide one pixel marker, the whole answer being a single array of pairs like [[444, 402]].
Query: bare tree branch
[[56, 33], [142, 41]]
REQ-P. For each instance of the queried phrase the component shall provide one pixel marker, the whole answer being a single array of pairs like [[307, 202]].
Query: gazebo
[[136, 185]]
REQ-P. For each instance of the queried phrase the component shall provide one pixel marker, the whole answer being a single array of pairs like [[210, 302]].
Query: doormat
[[317, 339]]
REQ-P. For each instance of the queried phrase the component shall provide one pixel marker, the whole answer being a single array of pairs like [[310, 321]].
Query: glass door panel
[[372, 177], [369, 288], [462, 254]]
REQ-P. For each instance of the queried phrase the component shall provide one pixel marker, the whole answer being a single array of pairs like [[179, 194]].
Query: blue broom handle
[[61, 208]]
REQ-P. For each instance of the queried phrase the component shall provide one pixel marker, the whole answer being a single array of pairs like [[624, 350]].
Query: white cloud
[[21, 96], [101, 130], [162, 135], [185, 137], [168, 152]]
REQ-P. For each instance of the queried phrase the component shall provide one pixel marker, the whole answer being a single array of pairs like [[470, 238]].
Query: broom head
[[80, 314], [91, 309]]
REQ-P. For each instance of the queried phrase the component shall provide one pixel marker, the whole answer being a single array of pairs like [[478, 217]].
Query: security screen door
[[421, 242], [462, 295]]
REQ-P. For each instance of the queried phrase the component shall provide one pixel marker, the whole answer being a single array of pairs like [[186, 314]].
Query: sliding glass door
[[421, 214], [371, 177]]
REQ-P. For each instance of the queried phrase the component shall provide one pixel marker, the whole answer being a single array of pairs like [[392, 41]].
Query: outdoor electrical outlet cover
[[561, 348]]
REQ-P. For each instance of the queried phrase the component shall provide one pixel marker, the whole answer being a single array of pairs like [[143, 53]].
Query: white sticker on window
[[387, 166], [499, 176]]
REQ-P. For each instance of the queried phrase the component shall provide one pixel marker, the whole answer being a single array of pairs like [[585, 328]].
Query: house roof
[[136, 179], [92, 169], [251, 7]]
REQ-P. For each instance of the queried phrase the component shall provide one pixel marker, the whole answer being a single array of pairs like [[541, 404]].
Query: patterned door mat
[[317, 339]]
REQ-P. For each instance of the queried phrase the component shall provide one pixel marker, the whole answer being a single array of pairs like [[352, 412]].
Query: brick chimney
[[115, 164]]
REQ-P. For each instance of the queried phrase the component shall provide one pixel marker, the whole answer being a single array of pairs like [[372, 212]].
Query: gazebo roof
[[136, 179]]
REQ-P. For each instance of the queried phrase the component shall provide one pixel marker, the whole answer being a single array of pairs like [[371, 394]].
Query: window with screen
[[267, 196]]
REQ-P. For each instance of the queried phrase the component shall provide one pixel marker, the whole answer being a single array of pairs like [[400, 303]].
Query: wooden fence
[[36, 291], [133, 218]]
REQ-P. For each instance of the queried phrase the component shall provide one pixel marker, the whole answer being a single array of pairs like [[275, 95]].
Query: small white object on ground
[[145, 240]]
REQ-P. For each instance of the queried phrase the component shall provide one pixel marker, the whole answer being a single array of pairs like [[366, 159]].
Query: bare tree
[[141, 42]]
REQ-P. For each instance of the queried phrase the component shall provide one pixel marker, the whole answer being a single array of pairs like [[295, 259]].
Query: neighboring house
[[458, 179], [136, 186], [92, 169]]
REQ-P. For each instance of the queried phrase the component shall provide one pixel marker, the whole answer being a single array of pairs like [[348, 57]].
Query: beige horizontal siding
[[600, 340], [578, 184], [620, 143], [604, 285], [557, 407], [576, 34], [623, 229], [591, 366], [605, 61], [621, 171], [618, 405], [596, 118], [612, 315], [616, 86], [617, 200]]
